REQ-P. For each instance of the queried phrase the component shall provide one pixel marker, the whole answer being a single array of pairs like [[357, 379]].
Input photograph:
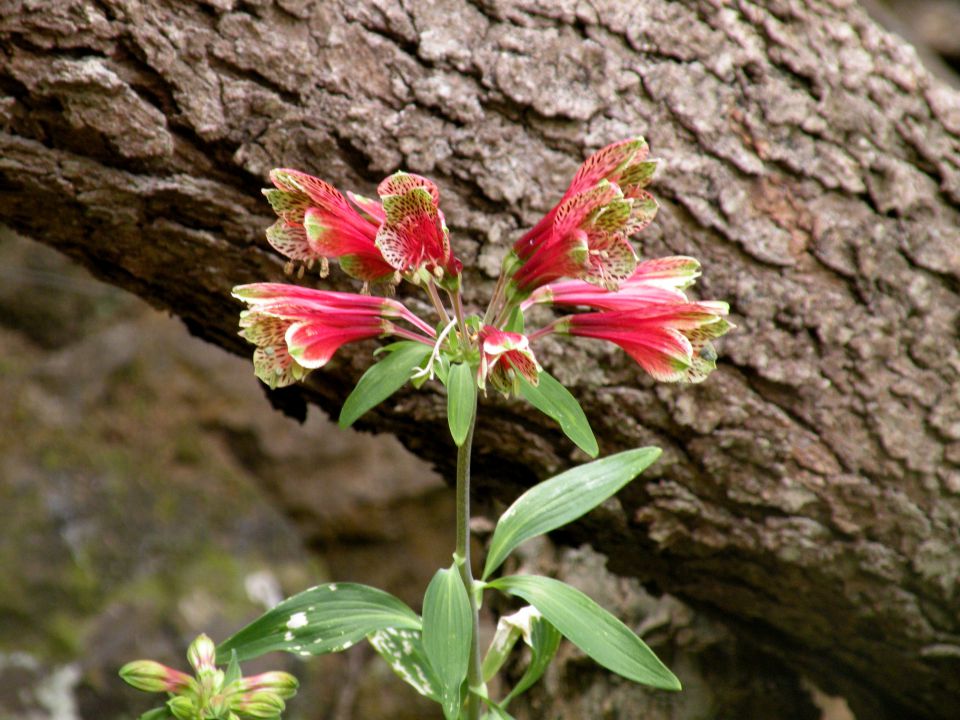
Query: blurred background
[[148, 492]]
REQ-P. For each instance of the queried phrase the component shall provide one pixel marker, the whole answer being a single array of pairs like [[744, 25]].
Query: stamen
[[324, 267], [288, 268]]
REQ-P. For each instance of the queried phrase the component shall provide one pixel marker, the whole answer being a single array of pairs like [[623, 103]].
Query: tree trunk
[[809, 491]]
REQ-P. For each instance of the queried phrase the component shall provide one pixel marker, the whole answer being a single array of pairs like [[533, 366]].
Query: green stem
[[474, 669], [437, 303]]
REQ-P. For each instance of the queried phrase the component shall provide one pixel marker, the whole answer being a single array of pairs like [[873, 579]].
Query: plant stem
[[457, 303], [495, 298], [474, 669], [437, 303]]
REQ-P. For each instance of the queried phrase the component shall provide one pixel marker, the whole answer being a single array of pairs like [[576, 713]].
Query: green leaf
[[382, 380], [591, 628], [461, 401], [326, 618], [447, 629], [515, 321], [233, 669], [555, 502], [403, 651], [554, 400], [544, 641]]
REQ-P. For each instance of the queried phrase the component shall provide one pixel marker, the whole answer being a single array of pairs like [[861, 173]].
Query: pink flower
[[297, 329], [671, 341], [505, 357], [413, 237], [586, 235], [654, 281], [317, 222], [622, 163]]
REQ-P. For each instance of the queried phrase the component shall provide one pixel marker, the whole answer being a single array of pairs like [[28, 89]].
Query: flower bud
[[183, 708], [259, 705], [151, 676], [202, 654], [282, 684]]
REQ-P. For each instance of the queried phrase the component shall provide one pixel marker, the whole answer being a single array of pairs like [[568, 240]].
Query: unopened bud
[[202, 654], [183, 708], [260, 705], [282, 684], [151, 676]]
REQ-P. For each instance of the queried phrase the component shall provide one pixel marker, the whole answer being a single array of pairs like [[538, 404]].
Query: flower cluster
[[578, 257], [211, 694]]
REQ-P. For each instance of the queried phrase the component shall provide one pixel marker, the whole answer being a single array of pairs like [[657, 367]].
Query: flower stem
[[457, 303], [474, 669], [437, 302], [495, 299], [410, 335]]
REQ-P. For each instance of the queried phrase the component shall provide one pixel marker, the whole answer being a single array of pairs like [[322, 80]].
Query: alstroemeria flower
[[317, 222], [414, 238], [588, 240], [622, 163], [670, 341], [661, 280], [297, 329], [505, 357]]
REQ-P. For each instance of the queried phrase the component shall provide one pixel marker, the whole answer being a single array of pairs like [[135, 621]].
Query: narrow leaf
[[233, 669], [403, 651], [544, 641], [326, 618], [382, 380], [447, 629], [561, 499], [591, 628], [515, 321], [461, 401], [554, 400]]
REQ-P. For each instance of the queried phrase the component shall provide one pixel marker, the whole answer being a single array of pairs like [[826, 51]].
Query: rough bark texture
[[810, 490]]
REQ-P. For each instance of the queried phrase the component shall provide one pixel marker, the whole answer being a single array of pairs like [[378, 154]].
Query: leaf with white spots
[[324, 619], [403, 651]]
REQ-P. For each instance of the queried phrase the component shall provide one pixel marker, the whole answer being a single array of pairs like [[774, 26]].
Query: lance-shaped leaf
[[403, 651], [561, 499], [591, 628], [461, 400], [326, 618], [382, 380], [447, 630], [543, 639], [554, 400]]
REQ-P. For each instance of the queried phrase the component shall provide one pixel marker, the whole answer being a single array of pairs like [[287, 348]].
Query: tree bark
[[809, 491]]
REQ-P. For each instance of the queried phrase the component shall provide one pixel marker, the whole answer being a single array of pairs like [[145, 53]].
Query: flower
[[660, 280], [588, 240], [414, 238], [317, 222], [671, 341], [622, 163], [585, 236], [297, 329], [505, 357]]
